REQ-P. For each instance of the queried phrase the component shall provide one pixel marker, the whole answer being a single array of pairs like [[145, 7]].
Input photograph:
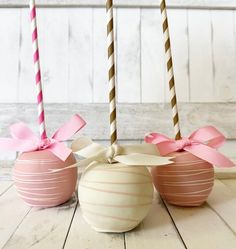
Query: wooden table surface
[[212, 226]]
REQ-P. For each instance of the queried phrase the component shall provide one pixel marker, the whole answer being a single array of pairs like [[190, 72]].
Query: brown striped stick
[[111, 71], [170, 70]]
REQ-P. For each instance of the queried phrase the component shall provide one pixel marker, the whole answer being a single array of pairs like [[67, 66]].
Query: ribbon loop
[[201, 143]]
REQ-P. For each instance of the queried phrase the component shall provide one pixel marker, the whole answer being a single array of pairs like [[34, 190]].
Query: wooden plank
[[200, 56], [4, 186], [43, 228], [220, 4], [152, 57], [202, 226], [13, 212], [223, 201], [128, 55], [223, 43], [156, 231], [82, 236], [134, 120], [9, 50], [27, 90], [100, 75], [179, 32], [80, 55], [53, 41]]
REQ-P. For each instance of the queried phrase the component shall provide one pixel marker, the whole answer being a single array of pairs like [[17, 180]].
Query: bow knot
[[201, 143], [183, 143], [45, 143], [113, 151]]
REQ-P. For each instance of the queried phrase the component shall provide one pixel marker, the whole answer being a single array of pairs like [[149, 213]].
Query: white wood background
[[73, 51], [72, 36]]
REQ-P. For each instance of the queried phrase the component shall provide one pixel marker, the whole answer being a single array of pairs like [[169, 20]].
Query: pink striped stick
[[41, 118]]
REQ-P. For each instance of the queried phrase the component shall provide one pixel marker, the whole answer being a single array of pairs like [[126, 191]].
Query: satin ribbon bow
[[201, 143], [24, 140], [132, 155]]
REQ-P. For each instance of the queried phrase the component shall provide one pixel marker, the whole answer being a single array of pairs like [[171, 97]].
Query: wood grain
[[134, 120], [223, 201], [80, 85], [156, 231], [200, 56], [43, 228], [153, 68], [4, 186], [73, 55], [100, 76], [81, 235], [179, 34], [10, 42], [221, 4], [224, 75], [13, 212], [202, 226], [128, 55]]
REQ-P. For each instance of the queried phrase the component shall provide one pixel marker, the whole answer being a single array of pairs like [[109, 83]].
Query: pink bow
[[24, 140], [201, 143]]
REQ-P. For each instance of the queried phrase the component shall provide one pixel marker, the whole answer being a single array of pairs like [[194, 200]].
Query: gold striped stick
[[111, 71], [170, 70]]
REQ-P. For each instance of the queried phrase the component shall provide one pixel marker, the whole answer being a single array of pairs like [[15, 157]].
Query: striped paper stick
[[171, 79], [41, 118], [111, 71]]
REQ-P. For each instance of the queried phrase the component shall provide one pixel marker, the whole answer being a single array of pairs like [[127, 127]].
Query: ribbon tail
[[60, 150], [210, 155], [138, 159]]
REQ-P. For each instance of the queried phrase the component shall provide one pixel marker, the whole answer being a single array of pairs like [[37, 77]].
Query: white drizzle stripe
[[37, 183], [38, 180], [37, 174], [37, 199], [35, 162], [189, 170], [195, 174], [39, 194], [37, 189], [185, 185], [200, 181], [190, 194]]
